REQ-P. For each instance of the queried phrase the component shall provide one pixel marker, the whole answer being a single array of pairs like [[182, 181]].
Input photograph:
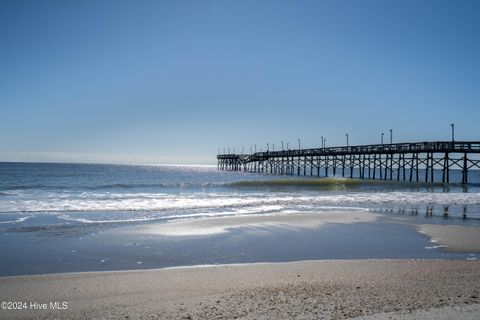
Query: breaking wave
[[165, 202]]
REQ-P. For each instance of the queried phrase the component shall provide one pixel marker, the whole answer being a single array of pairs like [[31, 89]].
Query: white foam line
[[15, 221], [435, 247]]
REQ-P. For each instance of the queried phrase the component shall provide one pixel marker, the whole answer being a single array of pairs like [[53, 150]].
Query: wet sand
[[454, 238], [333, 289], [219, 225], [326, 235]]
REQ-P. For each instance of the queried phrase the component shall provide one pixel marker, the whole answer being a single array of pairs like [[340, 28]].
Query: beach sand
[[328, 289], [332, 289]]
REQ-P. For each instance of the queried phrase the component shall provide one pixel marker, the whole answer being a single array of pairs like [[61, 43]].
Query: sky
[[157, 82]]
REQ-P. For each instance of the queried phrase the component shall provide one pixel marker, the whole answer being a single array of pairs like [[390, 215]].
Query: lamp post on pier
[[287, 145], [382, 136], [453, 132], [298, 144], [391, 136], [346, 134], [322, 141], [268, 146], [282, 145]]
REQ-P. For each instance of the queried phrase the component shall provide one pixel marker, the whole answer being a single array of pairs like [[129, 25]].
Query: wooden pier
[[413, 162]]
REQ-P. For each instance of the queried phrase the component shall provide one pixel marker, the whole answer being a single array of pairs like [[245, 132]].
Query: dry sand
[[331, 289], [459, 312]]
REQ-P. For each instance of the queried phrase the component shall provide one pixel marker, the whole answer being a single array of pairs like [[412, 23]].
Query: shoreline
[[308, 289], [219, 265]]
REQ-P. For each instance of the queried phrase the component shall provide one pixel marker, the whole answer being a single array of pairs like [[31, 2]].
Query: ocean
[[57, 207]]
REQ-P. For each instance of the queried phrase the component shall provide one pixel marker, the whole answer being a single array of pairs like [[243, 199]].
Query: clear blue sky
[[173, 81]]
